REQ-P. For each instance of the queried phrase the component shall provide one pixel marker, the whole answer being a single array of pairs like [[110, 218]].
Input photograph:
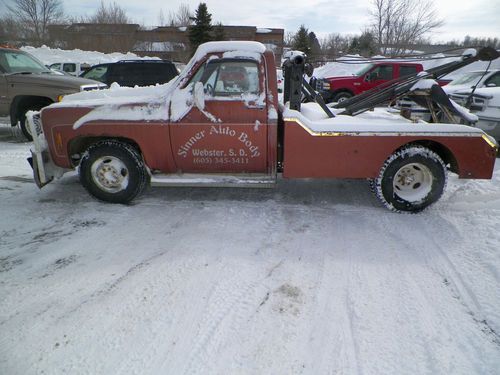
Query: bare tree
[[182, 17], [36, 15], [334, 45], [397, 24], [111, 14], [288, 39]]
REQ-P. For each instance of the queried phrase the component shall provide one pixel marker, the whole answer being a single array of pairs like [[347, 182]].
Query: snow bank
[[49, 55]]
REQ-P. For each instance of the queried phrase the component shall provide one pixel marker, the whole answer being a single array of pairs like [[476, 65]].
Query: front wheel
[[341, 96], [113, 171], [411, 179]]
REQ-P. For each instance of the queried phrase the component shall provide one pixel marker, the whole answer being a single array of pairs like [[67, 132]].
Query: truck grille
[[37, 123], [93, 87]]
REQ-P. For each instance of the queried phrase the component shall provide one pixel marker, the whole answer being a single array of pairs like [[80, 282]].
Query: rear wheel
[[411, 179], [113, 171]]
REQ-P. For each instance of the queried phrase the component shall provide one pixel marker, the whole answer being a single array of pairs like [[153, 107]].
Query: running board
[[214, 180]]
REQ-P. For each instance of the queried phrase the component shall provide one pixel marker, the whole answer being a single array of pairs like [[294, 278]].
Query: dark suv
[[133, 72]]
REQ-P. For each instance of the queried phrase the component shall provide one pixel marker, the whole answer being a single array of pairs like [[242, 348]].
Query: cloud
[[478, 18]]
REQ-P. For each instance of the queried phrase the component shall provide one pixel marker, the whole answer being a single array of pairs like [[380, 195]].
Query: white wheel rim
[[110, 174], [413, 182]]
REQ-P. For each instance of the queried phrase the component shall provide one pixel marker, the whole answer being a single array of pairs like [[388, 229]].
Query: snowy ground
[[308, 278]]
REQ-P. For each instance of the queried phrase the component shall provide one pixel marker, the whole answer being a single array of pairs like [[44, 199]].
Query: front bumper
[[44, 169]]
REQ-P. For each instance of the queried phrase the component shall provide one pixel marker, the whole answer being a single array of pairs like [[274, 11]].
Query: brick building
[[167, 42]]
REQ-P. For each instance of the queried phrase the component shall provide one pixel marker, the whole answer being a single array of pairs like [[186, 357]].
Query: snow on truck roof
[[244, 46]]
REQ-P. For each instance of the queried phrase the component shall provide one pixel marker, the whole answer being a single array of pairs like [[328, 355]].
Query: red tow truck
[[219, 123]]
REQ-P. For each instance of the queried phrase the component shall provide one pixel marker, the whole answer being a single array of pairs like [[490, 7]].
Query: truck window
[[383, 72], [405, 70], [98, 73], [229, 78], [56, 66], [493, 80], [69, 68]]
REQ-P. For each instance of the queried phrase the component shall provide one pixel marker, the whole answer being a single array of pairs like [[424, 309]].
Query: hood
[[455, 88], [148, 103], [52, 80], [336, 79]]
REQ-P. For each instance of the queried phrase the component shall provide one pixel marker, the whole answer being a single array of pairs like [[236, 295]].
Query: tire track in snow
[[419, 243]]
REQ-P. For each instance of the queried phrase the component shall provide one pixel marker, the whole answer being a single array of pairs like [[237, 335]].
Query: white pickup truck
[[73, 68]]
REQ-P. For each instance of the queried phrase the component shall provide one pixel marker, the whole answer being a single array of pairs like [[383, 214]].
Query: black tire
[[113, 171], [411, 179], [341, 96]]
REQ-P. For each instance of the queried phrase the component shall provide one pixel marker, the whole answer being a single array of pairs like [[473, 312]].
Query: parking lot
[[310, 277]]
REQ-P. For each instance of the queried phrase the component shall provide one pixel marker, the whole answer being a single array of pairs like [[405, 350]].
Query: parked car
[[337, 89], [477, 78], [464, 83], [485, 104], [26, 84], [74, 69], [133, 72]]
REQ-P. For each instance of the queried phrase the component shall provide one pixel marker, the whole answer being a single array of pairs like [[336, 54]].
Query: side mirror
[[199, 96]]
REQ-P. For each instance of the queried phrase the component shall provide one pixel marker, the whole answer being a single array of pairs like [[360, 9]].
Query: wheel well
[[339, 91], [444, 153], [21, 103], [78, 146]]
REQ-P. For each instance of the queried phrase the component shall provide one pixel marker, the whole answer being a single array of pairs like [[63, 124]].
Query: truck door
[[219, 120]]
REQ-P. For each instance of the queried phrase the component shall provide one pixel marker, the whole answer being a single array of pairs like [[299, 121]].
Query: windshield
[[363, 69], [467, 79], [20, 62]]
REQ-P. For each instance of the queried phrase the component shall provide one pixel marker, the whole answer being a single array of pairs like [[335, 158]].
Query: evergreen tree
[[301, 40], [354, 46], [315, 46], [200, 32], [367, 44]]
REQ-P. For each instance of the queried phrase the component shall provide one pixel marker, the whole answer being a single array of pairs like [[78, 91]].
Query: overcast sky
[[478, 18]]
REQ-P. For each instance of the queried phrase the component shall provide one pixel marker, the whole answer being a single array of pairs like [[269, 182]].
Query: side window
[[383, 72], [493, 80], [69, 68], [229, 78], [56, 66], [98, 73], [405, 70]]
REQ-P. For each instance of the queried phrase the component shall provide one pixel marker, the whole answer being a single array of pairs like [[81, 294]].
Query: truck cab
[[337, 89]]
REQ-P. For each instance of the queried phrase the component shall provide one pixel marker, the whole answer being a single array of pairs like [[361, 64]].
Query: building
[[167, 42]]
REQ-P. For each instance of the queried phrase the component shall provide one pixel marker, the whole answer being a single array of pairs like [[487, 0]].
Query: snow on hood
[[121, 103], [116, 94]]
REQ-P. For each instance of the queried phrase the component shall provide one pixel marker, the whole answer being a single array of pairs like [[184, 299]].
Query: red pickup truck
[[337, 89], [219, 124]]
